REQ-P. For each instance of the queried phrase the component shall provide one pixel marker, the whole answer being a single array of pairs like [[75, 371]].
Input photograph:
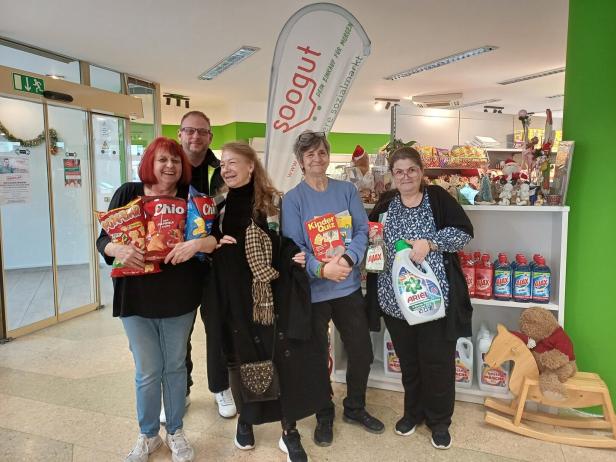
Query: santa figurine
[[512, 173], [360, 159]]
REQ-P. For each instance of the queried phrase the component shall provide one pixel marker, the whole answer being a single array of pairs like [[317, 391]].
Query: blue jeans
[[159, 350]]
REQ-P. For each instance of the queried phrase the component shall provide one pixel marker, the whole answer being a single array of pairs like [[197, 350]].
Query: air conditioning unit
[[445, 100]]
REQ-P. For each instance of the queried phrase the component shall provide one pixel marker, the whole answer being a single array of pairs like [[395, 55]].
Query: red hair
[[172, 147]]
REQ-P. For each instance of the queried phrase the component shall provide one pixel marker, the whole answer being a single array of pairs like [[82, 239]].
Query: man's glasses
[[191, 131], [309, 135]]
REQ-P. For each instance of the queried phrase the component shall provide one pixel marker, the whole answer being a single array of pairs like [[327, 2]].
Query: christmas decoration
[[53, 137]]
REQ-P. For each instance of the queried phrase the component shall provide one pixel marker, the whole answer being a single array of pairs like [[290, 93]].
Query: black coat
[[447, 213], [304, 383]]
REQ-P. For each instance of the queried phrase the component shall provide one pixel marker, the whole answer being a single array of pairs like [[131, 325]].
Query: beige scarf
[[259, 255]]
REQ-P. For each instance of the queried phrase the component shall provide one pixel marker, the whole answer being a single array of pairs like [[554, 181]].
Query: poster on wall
[[72, 173], [319, 53], [15, 180]]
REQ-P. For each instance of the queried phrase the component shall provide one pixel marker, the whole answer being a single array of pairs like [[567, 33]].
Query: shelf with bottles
[[513, 304]]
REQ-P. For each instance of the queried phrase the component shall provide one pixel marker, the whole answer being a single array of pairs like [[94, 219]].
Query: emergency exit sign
[[28, 84]]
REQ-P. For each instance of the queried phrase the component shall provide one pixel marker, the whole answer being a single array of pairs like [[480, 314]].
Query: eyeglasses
[[409, 172], [309, 135], [191, 131]]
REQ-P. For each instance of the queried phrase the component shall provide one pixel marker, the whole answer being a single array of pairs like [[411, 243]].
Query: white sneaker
[[163, 417], [143, 448], [226, 405], [181, 450]]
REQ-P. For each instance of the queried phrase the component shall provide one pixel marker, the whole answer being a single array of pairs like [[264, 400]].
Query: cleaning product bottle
[[464, 363], [495, 379], [468, 269], [541, 281], [390, 358], [484, 276], [521, 280], [502, 278], [418, 293]]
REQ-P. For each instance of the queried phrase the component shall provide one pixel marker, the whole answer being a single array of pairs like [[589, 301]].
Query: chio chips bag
[[200, 214], [165, 220], [126, 225]]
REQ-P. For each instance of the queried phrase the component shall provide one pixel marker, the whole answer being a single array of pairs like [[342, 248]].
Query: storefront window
[[105, 79], [39, 61]]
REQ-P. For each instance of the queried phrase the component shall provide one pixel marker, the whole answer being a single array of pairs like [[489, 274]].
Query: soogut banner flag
[[318, 55]]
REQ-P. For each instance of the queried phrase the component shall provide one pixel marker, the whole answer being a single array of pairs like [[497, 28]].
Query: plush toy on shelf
[[552, 349]]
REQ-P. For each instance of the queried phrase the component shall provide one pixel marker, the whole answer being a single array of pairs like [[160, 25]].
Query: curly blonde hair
[[267, 197]]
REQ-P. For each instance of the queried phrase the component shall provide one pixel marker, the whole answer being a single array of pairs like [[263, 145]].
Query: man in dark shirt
[[195, 136]]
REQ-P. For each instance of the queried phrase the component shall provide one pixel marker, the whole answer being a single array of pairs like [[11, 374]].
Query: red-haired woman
[[158, 310]]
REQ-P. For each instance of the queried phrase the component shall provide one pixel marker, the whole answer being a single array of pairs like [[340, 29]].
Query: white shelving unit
[[510, 229]]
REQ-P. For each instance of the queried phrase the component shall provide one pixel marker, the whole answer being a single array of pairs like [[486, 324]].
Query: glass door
[[73, 219], [25, 231], [110, 172]]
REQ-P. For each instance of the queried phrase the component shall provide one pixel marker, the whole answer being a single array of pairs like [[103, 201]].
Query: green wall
[[590, 102], [341, 143]]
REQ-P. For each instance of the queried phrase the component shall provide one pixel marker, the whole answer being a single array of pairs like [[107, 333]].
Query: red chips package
[[126, 225], [165, 219]]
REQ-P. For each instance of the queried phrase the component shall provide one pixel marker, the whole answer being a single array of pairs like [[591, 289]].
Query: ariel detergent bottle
[[417, 290]]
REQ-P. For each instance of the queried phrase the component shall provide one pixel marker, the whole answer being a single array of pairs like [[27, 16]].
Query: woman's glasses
[[309, 135], [409, 172]]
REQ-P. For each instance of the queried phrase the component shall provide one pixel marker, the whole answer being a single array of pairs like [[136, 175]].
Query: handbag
[[259, 381]]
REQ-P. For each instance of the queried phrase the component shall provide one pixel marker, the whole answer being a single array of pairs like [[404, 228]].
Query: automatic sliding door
[[24, 215], [72, 204]]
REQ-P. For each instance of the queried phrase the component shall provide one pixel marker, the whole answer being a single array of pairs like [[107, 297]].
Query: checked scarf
[[259, 255]]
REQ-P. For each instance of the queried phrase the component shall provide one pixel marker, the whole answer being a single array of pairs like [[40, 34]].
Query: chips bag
[[126, 225], [165, 220], [200, 214]]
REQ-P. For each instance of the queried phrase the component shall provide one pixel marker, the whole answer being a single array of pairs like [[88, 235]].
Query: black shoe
[[244, 437], [405, 427], [361, 416], [290, 443], [324, 433], [441, 440]]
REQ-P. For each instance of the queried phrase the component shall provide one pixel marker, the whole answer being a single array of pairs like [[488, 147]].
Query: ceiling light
[[441, 62], [234, 58], [558, 70], [168, 101], [380, 103], [555, 96], [55, 76], [186, 104], [473, 103]]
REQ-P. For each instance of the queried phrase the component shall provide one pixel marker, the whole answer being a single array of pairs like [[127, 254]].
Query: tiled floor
[[66, 394]]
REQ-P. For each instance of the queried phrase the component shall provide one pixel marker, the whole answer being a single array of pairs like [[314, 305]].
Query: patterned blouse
[[404, 222]]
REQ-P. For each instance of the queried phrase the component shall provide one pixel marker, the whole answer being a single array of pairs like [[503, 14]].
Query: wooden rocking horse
[[584, 389]]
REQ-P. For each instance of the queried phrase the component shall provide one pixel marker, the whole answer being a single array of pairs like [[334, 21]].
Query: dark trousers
[[427, 361], [351, 321], [217, 373]]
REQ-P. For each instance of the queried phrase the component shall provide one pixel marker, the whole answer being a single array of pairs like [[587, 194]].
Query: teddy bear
[[552, 349]]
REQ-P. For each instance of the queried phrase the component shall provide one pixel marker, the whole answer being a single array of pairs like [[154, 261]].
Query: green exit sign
[[28, 84]]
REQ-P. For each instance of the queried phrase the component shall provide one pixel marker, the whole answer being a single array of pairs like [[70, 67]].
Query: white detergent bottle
[[464, 363], [417, 290], [493, 379], [390, 358]]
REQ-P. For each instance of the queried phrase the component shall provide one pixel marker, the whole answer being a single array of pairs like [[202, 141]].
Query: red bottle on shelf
[[484, 277], [468, 269]]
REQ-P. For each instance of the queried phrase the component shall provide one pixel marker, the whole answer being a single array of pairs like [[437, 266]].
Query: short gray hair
[[308, 140]]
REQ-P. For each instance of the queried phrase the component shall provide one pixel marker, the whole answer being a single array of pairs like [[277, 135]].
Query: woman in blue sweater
[[334, 284]]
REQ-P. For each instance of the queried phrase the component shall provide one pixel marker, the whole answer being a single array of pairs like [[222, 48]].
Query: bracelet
[[348, 259]]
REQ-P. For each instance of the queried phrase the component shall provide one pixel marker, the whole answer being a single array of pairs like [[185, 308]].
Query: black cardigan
[[447, 213]]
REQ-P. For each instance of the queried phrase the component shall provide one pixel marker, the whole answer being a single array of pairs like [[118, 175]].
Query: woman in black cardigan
[[436, 226], [238, 325]]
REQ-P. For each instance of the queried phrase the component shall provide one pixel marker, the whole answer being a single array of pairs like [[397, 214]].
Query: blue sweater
[[303, 203]]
